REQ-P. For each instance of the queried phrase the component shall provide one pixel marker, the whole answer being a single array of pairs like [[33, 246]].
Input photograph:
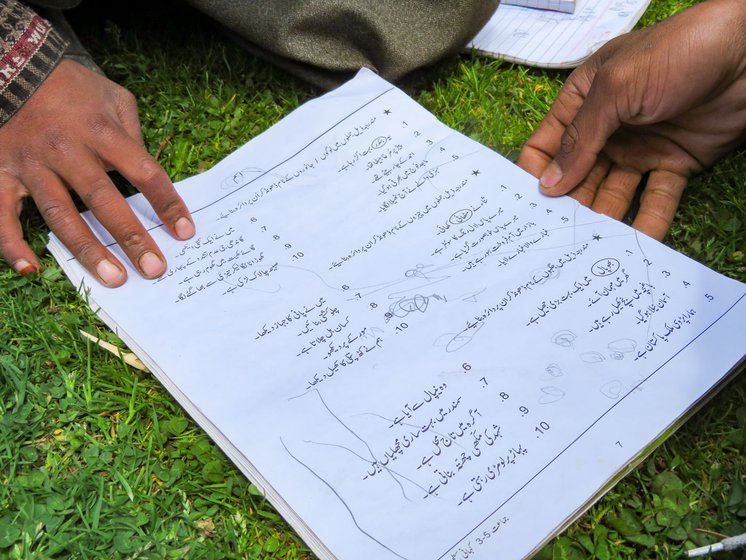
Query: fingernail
[[109, 273], [23, 267], [184, 228], [151, 265], [551, 176]]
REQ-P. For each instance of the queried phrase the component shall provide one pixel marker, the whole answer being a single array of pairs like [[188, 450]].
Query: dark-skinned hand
[[666, 101], [77, 126]]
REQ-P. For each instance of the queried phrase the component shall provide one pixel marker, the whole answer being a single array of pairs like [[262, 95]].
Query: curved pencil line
[[410, 425], [352, 515], [391, 472], [339, 446], [365, 443]]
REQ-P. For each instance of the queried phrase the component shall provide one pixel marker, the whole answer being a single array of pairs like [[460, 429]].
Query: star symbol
[[387, 111], [596, 237], [476, 172]]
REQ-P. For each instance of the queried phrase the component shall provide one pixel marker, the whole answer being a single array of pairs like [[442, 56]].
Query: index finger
[[550, 137], [544, 143], [583, 138], [128, 157]]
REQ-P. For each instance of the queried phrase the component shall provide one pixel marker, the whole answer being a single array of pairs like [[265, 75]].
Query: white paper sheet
[[554, 39], [414, 353]]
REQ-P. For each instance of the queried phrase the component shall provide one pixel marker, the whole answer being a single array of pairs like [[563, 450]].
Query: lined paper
[[553, 39]]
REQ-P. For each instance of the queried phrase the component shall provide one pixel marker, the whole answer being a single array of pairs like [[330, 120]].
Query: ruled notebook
[[552, 39]]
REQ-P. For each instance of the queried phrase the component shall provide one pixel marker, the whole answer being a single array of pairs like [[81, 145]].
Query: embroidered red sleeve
[[29, 50]]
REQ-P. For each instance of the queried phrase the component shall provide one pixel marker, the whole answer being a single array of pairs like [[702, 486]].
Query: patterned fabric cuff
[[29, 50]]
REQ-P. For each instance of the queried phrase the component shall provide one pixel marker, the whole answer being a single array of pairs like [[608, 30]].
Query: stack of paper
[[413, 352], [554, 39]]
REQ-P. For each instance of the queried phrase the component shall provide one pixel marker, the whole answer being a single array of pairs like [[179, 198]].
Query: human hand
[[668, 100], [74, 128]]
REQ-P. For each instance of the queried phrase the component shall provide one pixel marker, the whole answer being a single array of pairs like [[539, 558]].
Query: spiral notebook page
[[551, 39]]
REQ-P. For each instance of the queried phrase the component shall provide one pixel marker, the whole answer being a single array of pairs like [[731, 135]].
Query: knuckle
[[126, 99], [613, 78], [665, 192], [566, 103], [61, 219], [8, 214], [56, 213], [7, 238], [125, 102], [100, 125], [18, 191], [26, 157], [584, 194], [97, 193], [86, 250], [132, 240], [171, 208], [608, 79], [148, 172], [569, 139], [56, 140], [617, 196]]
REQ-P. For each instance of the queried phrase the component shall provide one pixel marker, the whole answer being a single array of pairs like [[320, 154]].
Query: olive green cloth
[[326, 41]]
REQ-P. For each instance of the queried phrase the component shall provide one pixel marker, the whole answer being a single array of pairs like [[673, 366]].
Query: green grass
[[98, 461]]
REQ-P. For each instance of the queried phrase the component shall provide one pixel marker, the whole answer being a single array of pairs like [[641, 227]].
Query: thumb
[[583, 139]]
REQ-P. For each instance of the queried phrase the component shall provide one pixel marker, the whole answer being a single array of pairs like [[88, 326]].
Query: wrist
[[28, 54]]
